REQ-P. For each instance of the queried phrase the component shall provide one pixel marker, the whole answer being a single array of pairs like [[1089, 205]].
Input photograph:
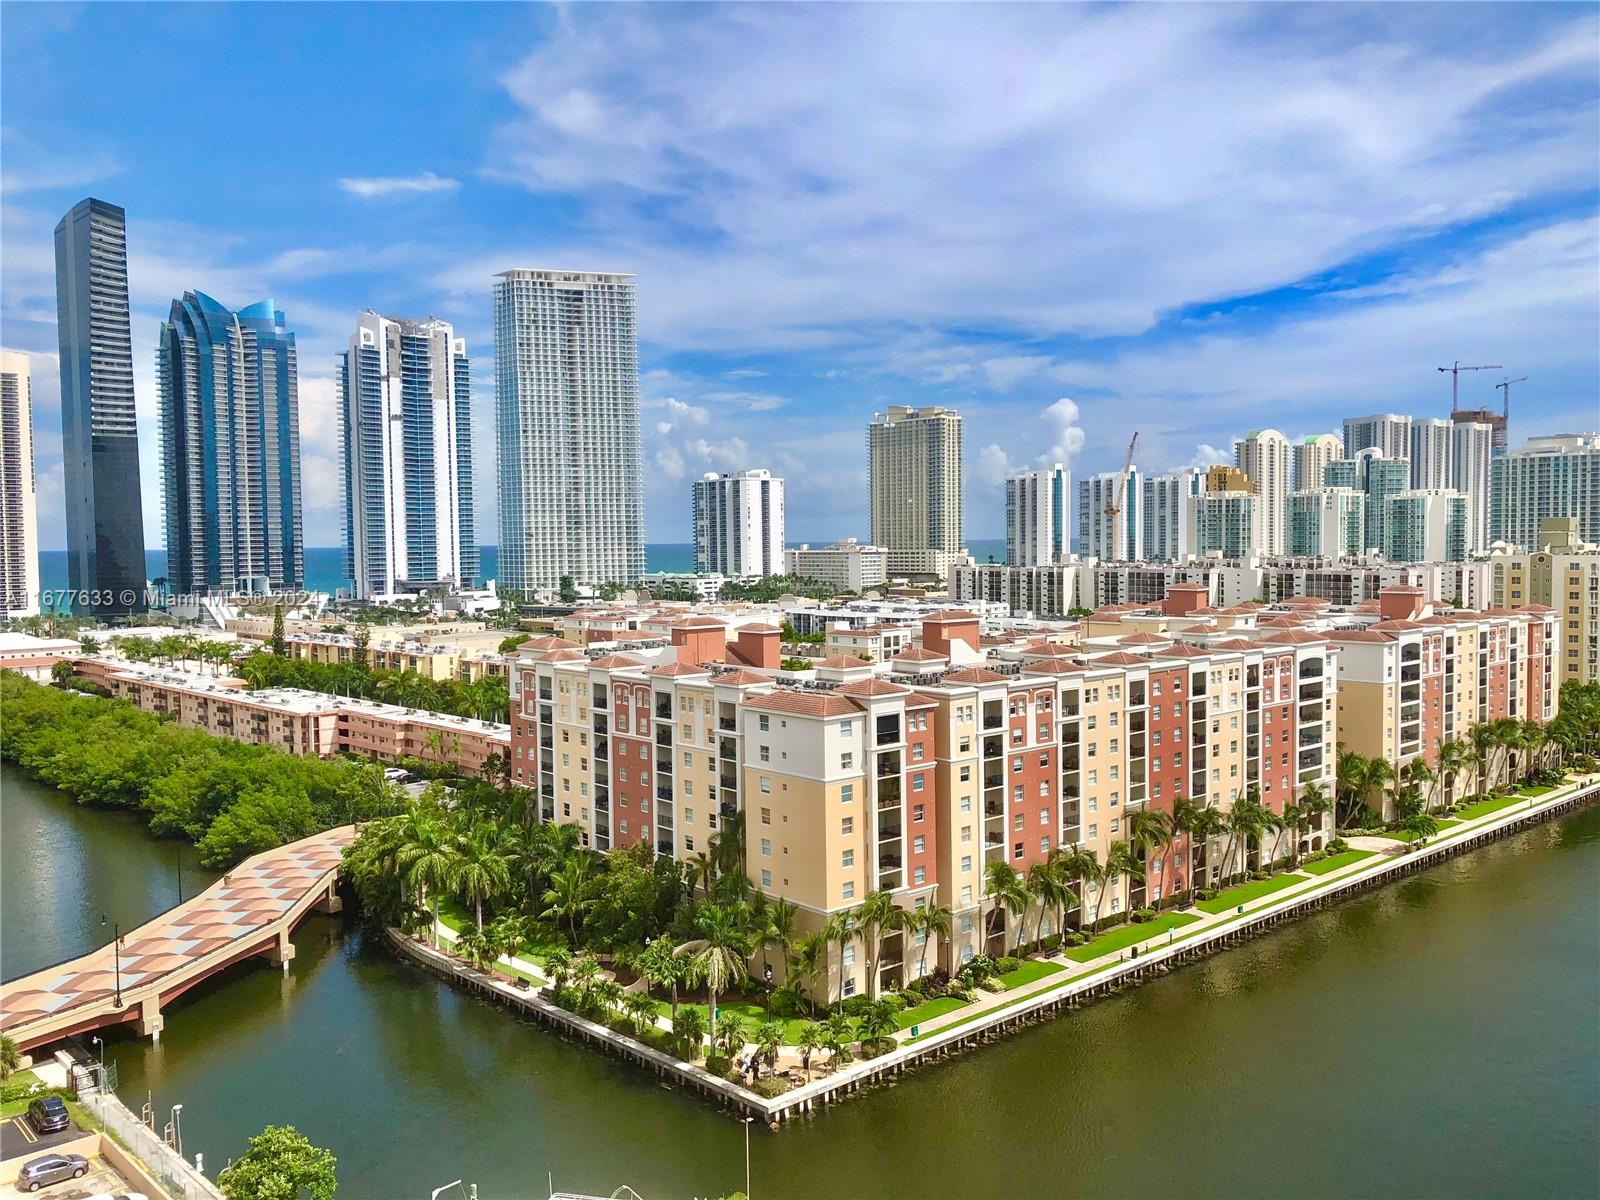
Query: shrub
[[1260, 874], [719, 1064], [1077, 938], [979, 966], [785, 1002], [1338, 846], [1207, 893], [1144, 914], [856, 1005], [1007, 963], [1051, 943], [772, 1086], [896, 999]]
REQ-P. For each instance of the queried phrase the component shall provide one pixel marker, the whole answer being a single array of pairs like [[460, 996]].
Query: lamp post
[[116, 950], [177, 1127], [747, 1121], [439, 1191]]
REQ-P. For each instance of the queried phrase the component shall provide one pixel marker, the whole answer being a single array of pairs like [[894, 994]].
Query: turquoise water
[[325, 564]]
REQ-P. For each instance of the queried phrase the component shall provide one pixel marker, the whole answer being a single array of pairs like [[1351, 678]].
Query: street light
[[116, 947], [439, 1191], [177, 1127], [95, 1040], [747, 1121]]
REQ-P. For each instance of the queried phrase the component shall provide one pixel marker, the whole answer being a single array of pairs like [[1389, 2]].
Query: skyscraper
[[1311, 458], [1327, 522], [1471, 450], [1557, 476], [914, 485], [1375, 477], [1425, 525], [1264, 456], [566, 391], [99, 434], [1167, 503], [230, 448], [1390, 433], [1431, 459], [1039, 517], [1226, 523], [19, 510], [1101, 535], [738, 524], [405, 456]]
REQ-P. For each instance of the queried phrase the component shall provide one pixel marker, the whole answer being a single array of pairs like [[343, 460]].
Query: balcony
[[728, 783], [664, 710], [727, 724], [663, 792], [994, 808]]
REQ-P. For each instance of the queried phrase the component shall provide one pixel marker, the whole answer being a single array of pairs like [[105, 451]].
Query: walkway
[[251, 910]]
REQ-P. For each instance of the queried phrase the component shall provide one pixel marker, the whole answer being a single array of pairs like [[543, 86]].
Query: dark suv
[[48, 1115], [51, 1168]]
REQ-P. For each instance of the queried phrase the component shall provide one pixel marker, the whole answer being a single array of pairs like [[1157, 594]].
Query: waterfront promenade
[[1066, 981], [251, 910]]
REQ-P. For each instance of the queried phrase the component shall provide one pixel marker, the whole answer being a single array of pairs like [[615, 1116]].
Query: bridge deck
[[248, 910]]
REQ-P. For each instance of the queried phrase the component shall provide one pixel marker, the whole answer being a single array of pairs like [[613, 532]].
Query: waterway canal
[[1438, 1037]]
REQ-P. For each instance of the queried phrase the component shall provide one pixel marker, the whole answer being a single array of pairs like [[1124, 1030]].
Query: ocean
[[325, 564]]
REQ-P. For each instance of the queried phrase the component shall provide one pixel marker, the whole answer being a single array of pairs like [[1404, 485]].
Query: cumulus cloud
[[374, 187]]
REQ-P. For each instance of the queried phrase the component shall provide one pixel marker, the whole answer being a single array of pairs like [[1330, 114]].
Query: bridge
[[251, 910]]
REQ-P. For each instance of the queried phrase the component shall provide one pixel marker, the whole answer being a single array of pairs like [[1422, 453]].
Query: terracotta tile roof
[[951, 614], [841, 662], [699, 623], [1295, 637], [804, 704], [1119, 658], [741, 678], [548, 642], [919, 654], [975, 675], [1396, 626], [1142, 639], [616, 660], [1359, 635], [1179, 650], [1053, 666], [679, 668], [1233, 644], [1536, 608], [561, 656], [758, 629], [871, 687]]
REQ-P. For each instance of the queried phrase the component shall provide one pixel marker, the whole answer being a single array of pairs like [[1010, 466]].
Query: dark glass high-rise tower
[[99, 436], [230, 448]]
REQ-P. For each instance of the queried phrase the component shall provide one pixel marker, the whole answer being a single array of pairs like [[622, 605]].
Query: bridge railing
[[181, 1179]]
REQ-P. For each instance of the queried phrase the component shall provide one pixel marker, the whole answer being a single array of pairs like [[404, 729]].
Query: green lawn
[[1397, 836], [751, 1013], [1124, 936], [1335, 862], [1246, 892], [1029, 972], [455, 916], [1484, 807], [1535, 790], [929, 1009]]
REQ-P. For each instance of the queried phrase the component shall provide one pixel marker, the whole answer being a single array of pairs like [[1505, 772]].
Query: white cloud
[[371, 188], [1207, 455]]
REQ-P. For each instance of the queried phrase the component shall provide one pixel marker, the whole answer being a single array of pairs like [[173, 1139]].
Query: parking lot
[[18, 1138], [102, 1179]]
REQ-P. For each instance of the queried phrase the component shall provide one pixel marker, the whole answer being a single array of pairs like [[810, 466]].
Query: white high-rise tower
[[19, 511], [1471, 449], [405, 456], [566, 390], [1039, 517], [1311, 459], [1430, 453], [738, 524], [1264, 456]]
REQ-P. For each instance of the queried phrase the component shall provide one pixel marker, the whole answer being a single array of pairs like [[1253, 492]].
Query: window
[[966, 862], [688, 731], [847, 826], [1094, 832], [918, 844], [1016, 851], [766, 816], [764, 753], [966, 833], [766, 847], [1044, 845], [766, 879], [1114, 824], [848, 858], [1044, 816], [847, 793], [1016, 821], [917, 811], [966, 919], [849, 890], [764, 723], [847, 728], [688, 816], [966, 804], [765, 784], [849, 956], [847, 761], [919, 875], [688, 844]]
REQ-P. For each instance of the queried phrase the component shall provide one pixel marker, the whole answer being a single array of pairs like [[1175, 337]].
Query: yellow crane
[[1114, 505]]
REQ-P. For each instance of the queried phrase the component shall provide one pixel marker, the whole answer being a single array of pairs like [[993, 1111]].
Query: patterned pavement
[[237, 910]]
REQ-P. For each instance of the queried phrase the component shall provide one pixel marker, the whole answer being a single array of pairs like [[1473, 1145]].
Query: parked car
[[48, 1115], [50, 1168]]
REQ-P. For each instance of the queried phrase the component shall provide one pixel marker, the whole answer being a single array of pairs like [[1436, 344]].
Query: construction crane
[[1504, 387], [1454, 371], [1114, 505]]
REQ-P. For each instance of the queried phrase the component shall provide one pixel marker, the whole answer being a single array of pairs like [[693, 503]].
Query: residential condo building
[[19, 508], [99, 430], [1387, 433], [1264, 456], [405, 457], [1168, 514], [1425, 525], [1471, 453], [1327, 522], [1563, 575], [571, 470], [230, 448], [1556, 476], [847, 564], [1312, 456], [738, 524], [1432, 453], [1103, 534], [1039, 517], [915, 484]]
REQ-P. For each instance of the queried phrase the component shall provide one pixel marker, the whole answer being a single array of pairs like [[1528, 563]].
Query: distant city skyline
[[1235, 288]]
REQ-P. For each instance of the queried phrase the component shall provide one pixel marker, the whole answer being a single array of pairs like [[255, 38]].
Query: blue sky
[[1067, 222]]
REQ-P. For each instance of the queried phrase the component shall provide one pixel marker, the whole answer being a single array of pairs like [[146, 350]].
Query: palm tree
[[1120, 861], [930, 921], [775, 928], [1002, 888], [808, 1039], [1148, 831], [662, 965], [810, 956], [1291, 820], [10, 1058], [837, 1034], [1074, 866], [1482, 736], [641, 1010], [566, 896], [769, 1040], [840, 929], [1452, 758], [703, 868], [482, 871], [426, 859], [1275, 823], [878, 914], [1417, 772], [1243, 820], [689, 1027], [732, 1038], [1420, 825], [1314, 804], [878, 1023], [718, 954]]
